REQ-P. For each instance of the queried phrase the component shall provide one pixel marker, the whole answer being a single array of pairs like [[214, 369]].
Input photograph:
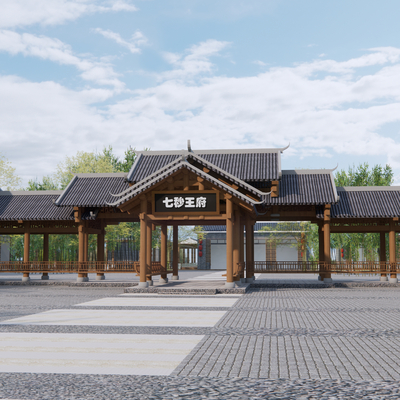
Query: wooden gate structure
[[235, 188]]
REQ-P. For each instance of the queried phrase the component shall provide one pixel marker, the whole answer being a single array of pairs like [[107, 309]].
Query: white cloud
[[18, 13], [340, 112], [195, 62], [55, 50], [137, 39], [260, 63]]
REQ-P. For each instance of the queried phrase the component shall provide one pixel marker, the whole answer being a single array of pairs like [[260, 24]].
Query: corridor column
[[321, 250], [327, 242], [163, 255], [229, 243], [382, 256], [143, 236], [81, 252], [27, 241], [100, 254], [392, 253], [148, 251], [249, 251], [45, 275], [175, 253], [241, 247]]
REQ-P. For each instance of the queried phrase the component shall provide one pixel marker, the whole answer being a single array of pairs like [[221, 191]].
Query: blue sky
[[83, 74]]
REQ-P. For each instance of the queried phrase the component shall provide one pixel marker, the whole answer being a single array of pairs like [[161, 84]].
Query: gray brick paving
[[331, 343]]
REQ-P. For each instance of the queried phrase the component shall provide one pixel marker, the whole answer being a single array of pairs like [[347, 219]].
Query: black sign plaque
[[186, 202]]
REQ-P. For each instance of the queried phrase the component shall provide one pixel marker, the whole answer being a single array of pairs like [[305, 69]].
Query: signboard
[[198, 202]]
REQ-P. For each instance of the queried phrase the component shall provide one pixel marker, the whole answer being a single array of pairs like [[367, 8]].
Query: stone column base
[[44, 278], [230, 285], [175, 277], [320, 278], [26, 279], [150, 283], [328, 280], [393, 280], [143, 285], [100, 277], [163, 280], [383, 279], [80, 279]]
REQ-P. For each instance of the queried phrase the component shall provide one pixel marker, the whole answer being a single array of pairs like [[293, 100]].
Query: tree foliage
[[365, 176], [362, 175], [8, 179]]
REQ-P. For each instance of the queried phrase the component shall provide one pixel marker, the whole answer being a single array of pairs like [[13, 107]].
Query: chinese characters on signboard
[[185, 202]]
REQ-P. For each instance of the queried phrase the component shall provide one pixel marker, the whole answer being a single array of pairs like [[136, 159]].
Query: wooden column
[[229, 242], [241, 244], [382, 254], [100, 254], [143, 244], [163, 255], [175, 252], [392, 252], [81, 250], [327, 240], [236, 242], [321, 249], [27, 242], [249, 249], [45, 275], [149, 240], [85, 250]]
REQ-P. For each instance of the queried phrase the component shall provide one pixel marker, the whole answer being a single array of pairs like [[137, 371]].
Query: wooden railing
[[78, 267], [351, 267]]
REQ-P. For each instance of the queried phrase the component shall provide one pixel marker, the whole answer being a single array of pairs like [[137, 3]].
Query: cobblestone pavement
[[271, 343]]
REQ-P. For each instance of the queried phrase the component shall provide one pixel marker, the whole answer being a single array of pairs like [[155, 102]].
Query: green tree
[[365, 176], [362, 175], [8, 179]]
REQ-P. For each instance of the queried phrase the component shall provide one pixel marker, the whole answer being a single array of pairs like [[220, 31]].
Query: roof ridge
[[30, 192]]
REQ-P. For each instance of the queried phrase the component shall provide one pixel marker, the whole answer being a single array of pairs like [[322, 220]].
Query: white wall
[[5, 252], [260, 252], [286, 252], [218, 256]]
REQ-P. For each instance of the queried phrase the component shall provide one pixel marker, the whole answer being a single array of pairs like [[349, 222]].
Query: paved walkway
[[59, 342]]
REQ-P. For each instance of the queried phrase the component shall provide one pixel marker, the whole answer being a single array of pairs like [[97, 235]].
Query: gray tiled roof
[[367, 202], [147, 183], [30, 206], [92, 190], [305, 187], [252, 165]]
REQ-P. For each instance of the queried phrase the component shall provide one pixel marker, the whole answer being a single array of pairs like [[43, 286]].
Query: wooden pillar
[[27, 242], [163, 255], [241, 244], [82, 277], [175, 252], [45, 275], [149, 240], [143, 240], [100, 255], [321, 249], [236, 242], [86, 250], [382, 254], [249, 249], [229, 242], [327, 240], [392, 252]]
